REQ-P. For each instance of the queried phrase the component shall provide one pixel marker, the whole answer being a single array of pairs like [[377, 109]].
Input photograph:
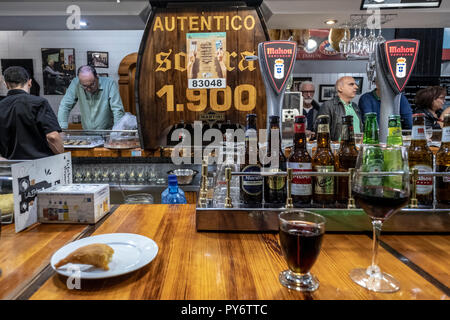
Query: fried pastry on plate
[[98, 254]]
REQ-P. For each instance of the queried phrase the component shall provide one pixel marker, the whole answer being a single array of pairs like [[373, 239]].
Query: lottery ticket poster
[[206, 65]]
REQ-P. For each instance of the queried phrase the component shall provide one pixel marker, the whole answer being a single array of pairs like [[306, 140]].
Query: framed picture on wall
[[58, 70], [297, 81], [359, 83], [326, 92], [97, 59]]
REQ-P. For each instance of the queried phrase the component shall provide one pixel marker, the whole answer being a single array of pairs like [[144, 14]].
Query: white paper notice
[[31, 176]]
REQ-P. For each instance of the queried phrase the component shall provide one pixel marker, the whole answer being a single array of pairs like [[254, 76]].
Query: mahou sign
[[399, 60]]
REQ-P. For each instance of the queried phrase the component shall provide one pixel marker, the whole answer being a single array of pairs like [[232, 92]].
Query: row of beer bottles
[[328, 189], [320, 190], [223, 127]]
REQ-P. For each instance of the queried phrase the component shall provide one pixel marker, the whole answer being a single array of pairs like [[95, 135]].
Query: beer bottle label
[[347, 133], [299, 127], [252, 184], [323, 128], [301, 185], [445, 134], [324, 184], [418, 133], [276, 182], [424, 184]]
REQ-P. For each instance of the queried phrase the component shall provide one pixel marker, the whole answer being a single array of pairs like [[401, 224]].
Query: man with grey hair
[[98, 97], [342, 105], [310, 106]]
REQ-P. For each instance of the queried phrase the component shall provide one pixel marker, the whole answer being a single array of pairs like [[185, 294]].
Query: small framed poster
[[97, 59], [359, 83], [326, 92]]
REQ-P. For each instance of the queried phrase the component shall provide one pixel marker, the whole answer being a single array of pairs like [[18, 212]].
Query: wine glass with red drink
[[301, 235], [380, 185]]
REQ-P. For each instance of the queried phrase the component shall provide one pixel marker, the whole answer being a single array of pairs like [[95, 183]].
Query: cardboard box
[[73, 203]]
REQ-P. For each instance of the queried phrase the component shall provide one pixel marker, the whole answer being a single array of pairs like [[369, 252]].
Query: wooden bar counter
[[211, 265]]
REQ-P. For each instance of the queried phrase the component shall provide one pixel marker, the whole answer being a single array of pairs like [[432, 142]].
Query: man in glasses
[[98, 98], [310, 106]]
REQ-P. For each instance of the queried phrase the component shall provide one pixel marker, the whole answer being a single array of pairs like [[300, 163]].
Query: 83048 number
[[218, 83]]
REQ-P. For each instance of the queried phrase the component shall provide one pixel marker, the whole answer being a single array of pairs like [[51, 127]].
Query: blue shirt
[[99, 111], [370, 102]]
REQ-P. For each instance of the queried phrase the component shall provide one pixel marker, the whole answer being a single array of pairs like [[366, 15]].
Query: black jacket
[[430, 119], [336, 110]]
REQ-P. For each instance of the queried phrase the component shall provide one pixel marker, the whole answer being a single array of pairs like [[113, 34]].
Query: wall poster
[[58, 70], [206, 66]]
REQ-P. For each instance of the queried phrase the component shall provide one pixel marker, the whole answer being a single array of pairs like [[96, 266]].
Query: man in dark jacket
[[342, 105], [29, 128]]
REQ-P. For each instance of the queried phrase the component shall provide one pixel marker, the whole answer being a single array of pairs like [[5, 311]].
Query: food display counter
[[212, 265]]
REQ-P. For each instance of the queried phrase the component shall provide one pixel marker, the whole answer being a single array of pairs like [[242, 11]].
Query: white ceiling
[[279, 14]]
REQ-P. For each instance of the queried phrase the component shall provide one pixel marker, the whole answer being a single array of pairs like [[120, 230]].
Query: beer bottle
[[443, 165], [251, 186], [372, 157], [393, 156], [421, 158], [371, 129], [300, 160], [346, 157], [394, 137], [275, 187], [323, 161]]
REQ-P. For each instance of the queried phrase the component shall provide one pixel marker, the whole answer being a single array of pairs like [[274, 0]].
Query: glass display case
[[111, 139], [6, 192]]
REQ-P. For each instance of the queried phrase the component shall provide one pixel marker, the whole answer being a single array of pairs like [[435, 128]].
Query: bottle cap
[[172, 179]]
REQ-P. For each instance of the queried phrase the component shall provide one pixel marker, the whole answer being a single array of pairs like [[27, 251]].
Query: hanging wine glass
[[344, 44], [365, 44], [372, 41], [354, 44], [380, 38]]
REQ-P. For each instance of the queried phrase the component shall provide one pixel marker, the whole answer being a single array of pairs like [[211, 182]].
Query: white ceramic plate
[[131, 252]]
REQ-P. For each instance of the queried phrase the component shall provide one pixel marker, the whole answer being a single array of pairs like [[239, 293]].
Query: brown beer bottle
[[346, 157], [323, 161], [443, 165], [421, 158], [251, 186], [275, 187], [300, 160]]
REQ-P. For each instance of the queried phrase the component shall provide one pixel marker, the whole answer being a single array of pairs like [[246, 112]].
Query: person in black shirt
[[29, 128]]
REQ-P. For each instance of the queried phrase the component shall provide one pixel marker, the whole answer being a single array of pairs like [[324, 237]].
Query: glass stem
[[377, 224]]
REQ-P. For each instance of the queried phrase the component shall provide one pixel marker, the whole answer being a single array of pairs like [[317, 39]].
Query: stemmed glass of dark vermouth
[[380, 186], [301, 235]]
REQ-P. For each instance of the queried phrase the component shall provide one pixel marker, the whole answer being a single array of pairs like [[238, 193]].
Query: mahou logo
[[277, 59], [400, 59]]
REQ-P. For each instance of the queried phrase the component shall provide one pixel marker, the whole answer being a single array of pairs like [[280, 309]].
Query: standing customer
[[342, 105], [28, 126], [430, 102], [371, 102], [98, 97]]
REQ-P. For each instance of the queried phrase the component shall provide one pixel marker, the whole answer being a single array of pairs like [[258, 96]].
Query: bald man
[[98, 97], [342, 105]]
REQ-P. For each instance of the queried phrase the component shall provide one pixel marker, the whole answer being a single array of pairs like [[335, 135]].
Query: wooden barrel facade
[[163, 97]]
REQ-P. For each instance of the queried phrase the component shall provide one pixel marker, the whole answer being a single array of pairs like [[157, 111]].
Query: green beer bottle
[[373, 155], [371, 129], [394, 131], [393, 156]]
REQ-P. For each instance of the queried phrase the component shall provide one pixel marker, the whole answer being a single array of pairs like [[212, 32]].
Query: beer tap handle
[[204, 183], [351, 200], [289, 203], [413, 202], [228, 200]]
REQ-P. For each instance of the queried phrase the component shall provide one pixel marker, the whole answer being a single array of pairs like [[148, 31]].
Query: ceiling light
[[83, 23], [378, 1], [330, 21]]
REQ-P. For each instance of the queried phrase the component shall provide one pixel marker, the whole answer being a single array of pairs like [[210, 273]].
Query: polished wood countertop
[[212, 265], [24, 255]]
